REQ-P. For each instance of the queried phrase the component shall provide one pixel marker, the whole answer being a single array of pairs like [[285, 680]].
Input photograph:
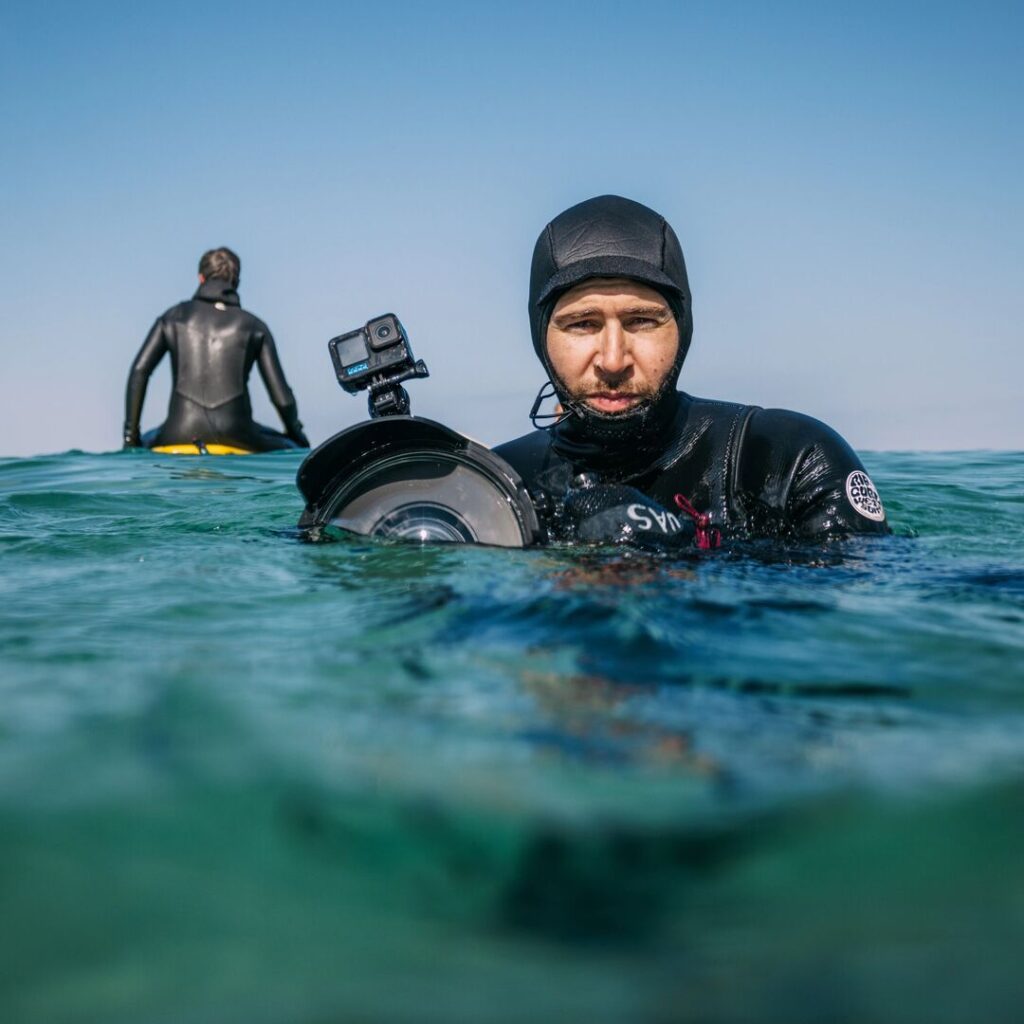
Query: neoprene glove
[[131, 438], [617, 514]]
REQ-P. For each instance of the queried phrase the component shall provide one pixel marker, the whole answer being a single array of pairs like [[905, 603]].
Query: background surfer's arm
[[152, 351], [277, 387]]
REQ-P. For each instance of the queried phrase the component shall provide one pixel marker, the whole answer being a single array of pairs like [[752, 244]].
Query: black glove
[[617, 514], [131, 437]]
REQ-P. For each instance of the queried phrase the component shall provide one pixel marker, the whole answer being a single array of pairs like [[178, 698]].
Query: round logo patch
[[863, 497]]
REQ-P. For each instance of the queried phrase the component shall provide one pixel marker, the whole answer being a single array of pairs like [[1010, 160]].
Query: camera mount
[[387, 396]]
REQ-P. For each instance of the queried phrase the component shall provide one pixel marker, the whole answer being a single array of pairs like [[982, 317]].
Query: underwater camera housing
[[402, 477]]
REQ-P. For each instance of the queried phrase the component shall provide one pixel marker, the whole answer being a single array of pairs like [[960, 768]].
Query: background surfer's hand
[[293, 427]]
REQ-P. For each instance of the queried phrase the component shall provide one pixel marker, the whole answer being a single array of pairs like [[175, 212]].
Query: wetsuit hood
[[216, 289], [610, 236]]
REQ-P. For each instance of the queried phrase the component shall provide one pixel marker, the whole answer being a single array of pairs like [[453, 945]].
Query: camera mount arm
[[387, 396]]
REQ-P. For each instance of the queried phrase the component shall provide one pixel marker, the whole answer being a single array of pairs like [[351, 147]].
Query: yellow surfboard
[[200, 449]]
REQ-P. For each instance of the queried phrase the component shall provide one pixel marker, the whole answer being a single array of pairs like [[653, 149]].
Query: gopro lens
[[384, 333]]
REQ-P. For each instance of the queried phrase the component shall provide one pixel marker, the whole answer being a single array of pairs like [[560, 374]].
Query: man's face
[[611, 343]]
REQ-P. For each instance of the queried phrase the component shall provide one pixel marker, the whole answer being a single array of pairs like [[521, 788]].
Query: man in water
[[629, 456], [213, 344]]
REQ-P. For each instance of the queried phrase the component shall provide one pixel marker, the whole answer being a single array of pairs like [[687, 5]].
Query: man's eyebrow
[[576, 314], [645, 311]]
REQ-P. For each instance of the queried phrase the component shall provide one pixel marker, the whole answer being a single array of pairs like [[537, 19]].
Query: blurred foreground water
[[246, 778]]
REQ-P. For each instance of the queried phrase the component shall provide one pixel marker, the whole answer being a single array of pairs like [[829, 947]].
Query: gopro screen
[[352, 350]]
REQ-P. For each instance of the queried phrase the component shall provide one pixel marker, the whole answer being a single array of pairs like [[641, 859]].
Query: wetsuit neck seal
[[216, 289], [617, 446]]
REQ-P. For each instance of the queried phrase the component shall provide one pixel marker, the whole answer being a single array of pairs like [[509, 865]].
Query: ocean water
[[247, 778]]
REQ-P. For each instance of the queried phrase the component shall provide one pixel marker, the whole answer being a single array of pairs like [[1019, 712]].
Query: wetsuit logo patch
[[863, 497]]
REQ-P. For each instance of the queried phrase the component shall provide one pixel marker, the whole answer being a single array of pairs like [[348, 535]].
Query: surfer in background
[[627, 456], [213, 344]]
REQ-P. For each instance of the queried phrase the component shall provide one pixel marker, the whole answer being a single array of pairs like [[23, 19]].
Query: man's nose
[[615, 354]]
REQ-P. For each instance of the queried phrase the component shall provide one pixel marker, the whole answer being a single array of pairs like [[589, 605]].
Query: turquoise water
[[246, 778]]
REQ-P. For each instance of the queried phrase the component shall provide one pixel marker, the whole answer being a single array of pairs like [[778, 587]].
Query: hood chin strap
[[570, 408], [547, 391]]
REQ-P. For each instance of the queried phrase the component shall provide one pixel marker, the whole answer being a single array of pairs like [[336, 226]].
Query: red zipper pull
[[707, 536]]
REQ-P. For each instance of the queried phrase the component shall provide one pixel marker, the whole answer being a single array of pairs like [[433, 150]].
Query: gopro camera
[[378, 357], [361, 355]]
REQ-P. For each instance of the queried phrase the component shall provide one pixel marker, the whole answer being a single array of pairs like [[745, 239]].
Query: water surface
[[246, 778]]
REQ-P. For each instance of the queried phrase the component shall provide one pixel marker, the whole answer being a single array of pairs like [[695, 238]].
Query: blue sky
[[845, 180]]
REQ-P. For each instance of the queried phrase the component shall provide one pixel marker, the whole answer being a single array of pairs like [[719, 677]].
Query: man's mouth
[[612, 401]]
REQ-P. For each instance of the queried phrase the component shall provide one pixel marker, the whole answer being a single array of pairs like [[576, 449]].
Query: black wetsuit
[[213, 344], [740, 470], [755, 472]]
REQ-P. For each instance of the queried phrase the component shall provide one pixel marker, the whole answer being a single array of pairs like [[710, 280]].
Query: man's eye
[[582, 325], [639, 323]]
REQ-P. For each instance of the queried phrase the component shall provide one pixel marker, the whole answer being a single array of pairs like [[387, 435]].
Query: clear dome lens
[[425, 522]]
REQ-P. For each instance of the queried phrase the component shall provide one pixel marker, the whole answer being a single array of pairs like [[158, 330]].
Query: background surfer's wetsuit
[[213, 344], [743, 471], [755, 472]]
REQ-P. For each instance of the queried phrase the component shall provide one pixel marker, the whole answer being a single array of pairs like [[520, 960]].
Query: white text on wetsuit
[[645, 517]]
